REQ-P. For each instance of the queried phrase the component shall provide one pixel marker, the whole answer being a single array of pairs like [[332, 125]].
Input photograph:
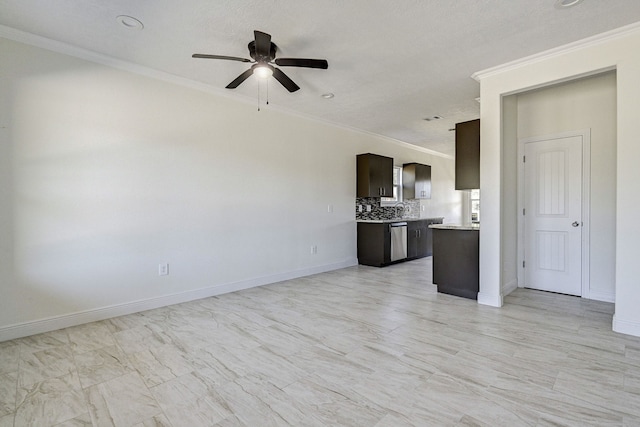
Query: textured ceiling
[[391, 63]]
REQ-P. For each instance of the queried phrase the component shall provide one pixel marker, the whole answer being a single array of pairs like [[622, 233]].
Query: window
[[397, 189], [474, 204]]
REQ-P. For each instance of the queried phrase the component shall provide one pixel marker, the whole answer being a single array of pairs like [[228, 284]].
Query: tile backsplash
[[411, 209]]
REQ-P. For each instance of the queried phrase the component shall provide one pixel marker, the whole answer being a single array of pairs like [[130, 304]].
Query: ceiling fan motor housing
[[261, 58]]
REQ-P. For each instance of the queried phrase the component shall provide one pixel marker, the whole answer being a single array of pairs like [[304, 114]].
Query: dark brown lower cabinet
[[420, 238], [374, 241], [456, 266], [374, 244]]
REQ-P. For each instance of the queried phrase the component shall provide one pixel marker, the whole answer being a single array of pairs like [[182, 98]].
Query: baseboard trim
[[490, 299], [628, 327], [509, 287], [602, 296], [74, 319]]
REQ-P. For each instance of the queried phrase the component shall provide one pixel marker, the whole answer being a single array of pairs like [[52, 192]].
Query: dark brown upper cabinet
[[468, 155], [374, 176], [416, 181]]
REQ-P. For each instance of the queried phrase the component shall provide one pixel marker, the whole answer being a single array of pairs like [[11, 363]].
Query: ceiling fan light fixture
[[263, 71]]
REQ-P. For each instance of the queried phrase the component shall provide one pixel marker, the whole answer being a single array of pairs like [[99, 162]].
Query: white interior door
[[553, 215]]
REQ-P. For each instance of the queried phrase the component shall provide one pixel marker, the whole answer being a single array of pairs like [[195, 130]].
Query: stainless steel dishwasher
[[398, 240]]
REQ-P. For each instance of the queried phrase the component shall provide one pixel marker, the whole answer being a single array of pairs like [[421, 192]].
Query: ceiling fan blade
[[302, 62], [228, 58], [242, 77], [263, 44], [285, 80]]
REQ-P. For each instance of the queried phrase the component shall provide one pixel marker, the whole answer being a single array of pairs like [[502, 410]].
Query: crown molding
[[558, 51], [87, 55]]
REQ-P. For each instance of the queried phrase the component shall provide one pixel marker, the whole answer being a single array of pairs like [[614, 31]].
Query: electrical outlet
[[163, 269], [330, 208], [360, 208], [368, 208], [314, 250], [422, 208]]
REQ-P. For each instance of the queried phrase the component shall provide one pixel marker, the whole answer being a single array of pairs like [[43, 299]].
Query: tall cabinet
[[468, 155]]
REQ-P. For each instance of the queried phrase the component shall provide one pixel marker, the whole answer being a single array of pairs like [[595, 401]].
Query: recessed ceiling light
[[327, 95], [130, 22], [564, 4]]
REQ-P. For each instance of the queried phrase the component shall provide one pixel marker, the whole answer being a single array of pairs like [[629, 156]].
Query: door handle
[[575, 224]]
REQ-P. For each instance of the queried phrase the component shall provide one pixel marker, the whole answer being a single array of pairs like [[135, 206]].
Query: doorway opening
[[585, 106]]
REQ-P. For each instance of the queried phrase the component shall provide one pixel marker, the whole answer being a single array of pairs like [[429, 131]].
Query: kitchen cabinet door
[[420, 238], [424, 239], [416, 181], [413, 239], [468, 155], [374, 176], [374, 244]]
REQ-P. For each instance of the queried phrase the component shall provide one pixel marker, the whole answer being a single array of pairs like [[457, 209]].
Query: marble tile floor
[[360, 346]]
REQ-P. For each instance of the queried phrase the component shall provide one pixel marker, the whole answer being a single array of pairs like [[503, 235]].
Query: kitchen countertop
[[474, 226], [385, 221]]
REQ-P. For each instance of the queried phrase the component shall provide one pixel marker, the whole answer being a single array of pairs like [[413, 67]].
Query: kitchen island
[[456, 266]]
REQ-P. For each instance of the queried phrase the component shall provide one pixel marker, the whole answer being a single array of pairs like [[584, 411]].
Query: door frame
[[586, 203]]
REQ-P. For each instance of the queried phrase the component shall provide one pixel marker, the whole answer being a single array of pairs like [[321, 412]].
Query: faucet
[[401, 205]]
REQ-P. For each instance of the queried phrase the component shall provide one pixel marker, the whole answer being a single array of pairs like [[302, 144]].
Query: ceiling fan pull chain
[[267, 83], [258, 95]]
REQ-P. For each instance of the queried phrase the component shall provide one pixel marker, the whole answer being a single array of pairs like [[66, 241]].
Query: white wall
[[509, 224], [586, 103], [104, 174], [619, 51]]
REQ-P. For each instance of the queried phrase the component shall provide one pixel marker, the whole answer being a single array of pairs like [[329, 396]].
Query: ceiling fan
[[263, 52]]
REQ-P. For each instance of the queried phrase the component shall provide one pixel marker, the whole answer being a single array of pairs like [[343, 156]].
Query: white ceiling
[[391, 63]]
